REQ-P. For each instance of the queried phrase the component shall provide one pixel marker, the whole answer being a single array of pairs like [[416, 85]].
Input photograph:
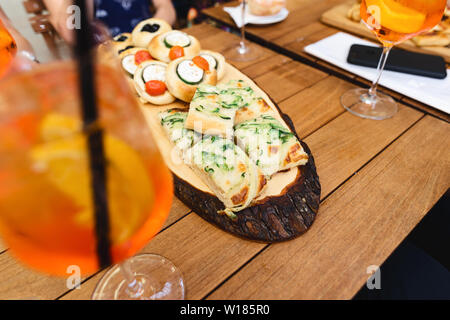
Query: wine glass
[[47, 215], [392, 21], [244, 51]]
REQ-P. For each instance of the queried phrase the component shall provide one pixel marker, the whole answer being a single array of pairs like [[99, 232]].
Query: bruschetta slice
[[271, 145], [227, 171]]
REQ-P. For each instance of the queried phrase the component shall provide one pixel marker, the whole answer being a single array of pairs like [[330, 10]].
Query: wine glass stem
[[242, 42], [381, 65], [134, 288]]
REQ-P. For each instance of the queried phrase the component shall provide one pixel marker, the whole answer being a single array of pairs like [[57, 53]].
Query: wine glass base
[[361, 104], [158, 277], [239, 53]]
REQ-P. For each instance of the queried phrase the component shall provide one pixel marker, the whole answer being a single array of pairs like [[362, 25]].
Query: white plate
[[236, 15], [433, 92]]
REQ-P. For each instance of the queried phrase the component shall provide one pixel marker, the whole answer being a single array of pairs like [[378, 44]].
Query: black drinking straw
[[85, 57]]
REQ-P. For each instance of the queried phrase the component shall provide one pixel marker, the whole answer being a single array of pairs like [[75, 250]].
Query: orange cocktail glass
[[46, 210], [8, 49], [392, 21]]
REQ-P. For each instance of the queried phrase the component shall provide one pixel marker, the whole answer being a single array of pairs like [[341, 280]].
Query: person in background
[[118, 15]]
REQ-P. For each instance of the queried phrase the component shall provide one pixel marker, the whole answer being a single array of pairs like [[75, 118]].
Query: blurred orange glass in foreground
[[8, 49], [394, 21], [46, 211]]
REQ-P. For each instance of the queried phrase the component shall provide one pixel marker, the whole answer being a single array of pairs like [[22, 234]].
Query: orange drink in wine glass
[[392, 21], [46, 210]]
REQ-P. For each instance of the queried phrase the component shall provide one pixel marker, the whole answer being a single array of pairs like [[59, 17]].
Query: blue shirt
[[122, 15]]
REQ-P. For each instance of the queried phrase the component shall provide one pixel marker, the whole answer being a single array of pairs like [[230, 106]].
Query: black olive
[[129, 47], [150, 28], [122, 38]]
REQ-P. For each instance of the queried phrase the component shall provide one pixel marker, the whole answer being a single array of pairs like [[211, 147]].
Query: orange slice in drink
[[394, 16], [65, 162]]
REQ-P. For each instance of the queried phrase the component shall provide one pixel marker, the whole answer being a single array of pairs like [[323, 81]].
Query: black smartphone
[[420, 64]]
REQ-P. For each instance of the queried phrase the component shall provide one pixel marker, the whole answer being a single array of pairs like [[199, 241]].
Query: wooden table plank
[[211, 266], [177, 211], [205, 255], [437, 113], [308, 113], [358, 226], [288, 79], [264, 66], [20, 282]]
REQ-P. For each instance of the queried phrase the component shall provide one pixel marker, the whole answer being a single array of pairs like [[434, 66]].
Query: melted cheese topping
[[189, 72], [177, 38], [128, 64], [267, 142], [173, 123], [154, 72]]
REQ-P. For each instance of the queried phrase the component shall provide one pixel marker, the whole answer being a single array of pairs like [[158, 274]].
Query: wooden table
[[301, 28], [379, 179]]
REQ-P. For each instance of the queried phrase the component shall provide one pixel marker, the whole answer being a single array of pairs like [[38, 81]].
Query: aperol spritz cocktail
[[46, 209], [392, 21], [8, 49]]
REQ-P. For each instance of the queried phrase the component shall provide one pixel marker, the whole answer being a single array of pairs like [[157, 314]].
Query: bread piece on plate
[[161, 45], [213, 108], [172, 121], [146, 30], [207, 113], [227, 171], [216, 61], [152, 70], [184, 76], [271, 145]]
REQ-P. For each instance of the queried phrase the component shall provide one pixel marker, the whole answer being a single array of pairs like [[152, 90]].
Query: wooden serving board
[[337, 17], [286, 208]]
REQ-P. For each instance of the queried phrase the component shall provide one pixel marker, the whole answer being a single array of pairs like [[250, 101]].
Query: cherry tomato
[[176, 52], [142, 56], [201, 63], [155, 87]]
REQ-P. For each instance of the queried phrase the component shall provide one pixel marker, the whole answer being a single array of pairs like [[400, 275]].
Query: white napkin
[[236, 15], [433, 92]]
